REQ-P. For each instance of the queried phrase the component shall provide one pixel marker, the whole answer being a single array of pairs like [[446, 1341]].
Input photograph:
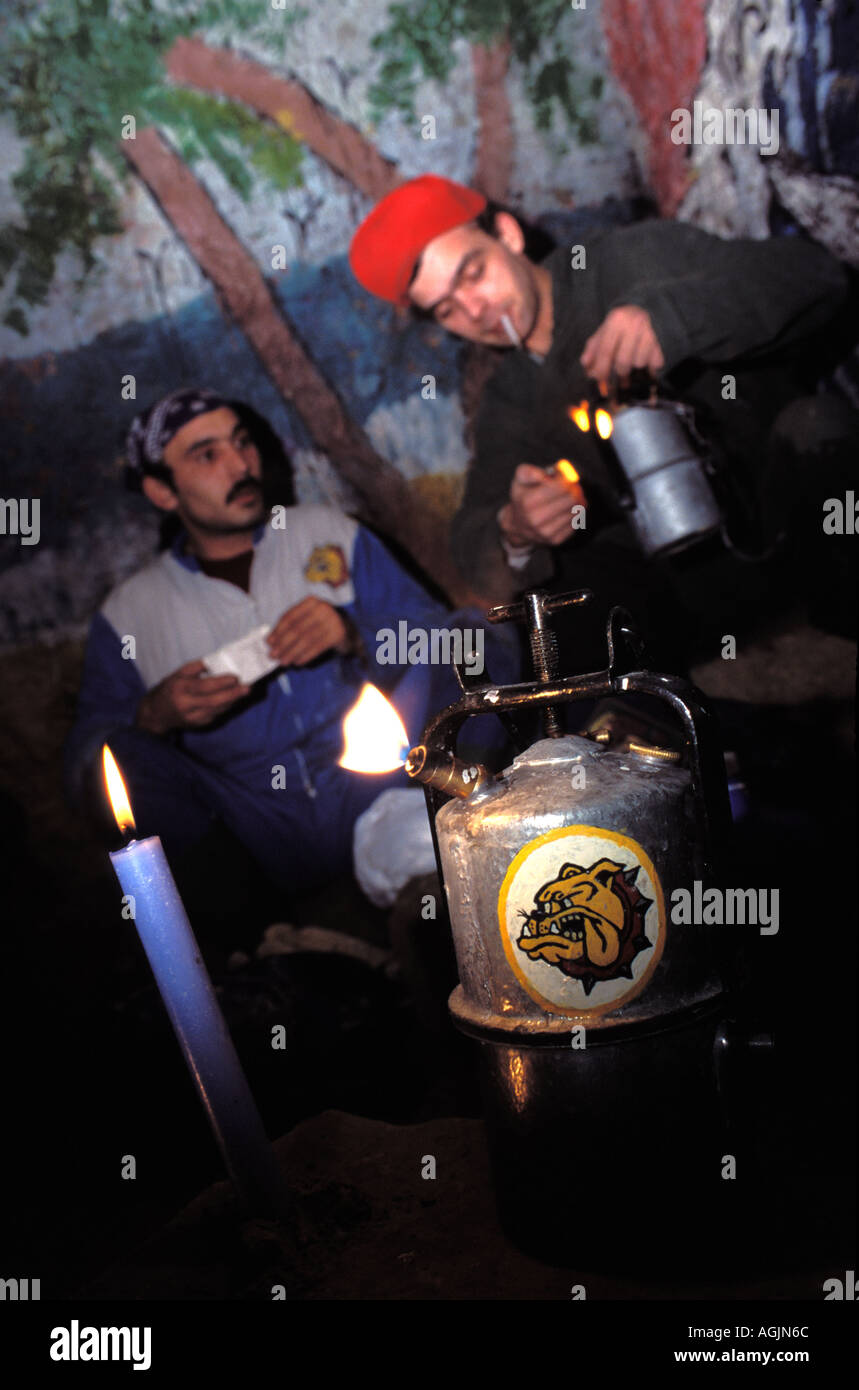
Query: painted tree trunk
[[494, 155], [290, 105], [493, 166], [245, 296], [657, 50]]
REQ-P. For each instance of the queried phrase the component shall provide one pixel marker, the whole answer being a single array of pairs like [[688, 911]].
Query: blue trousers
[[299, 833], [296, 838]]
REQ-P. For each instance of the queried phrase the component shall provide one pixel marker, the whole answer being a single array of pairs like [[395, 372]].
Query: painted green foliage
[[72, 70], [418, 42]]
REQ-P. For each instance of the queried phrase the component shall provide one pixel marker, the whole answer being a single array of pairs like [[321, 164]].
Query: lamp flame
[[602, 420], [580, 415], [373, 733], [119, 801], [567, 471]]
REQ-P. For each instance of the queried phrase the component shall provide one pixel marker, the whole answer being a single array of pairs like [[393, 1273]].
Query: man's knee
[[814, 424], [162, 784], [812, 454]]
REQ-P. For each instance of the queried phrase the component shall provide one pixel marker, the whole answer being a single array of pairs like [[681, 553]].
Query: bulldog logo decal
[[327, 565], [587, 922], [582, 919]]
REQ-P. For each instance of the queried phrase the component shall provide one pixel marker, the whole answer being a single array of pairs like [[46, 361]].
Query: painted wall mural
[[801, 59], [179, 183]]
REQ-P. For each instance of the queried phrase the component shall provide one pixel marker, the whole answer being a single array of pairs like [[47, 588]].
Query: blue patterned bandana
[[152, 430]]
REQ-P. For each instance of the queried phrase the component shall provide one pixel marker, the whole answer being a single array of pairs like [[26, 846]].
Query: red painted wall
[[656, 50]]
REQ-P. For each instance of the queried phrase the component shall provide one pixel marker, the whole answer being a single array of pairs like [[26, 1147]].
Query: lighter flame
[[116, 791], [602, 420], [567, 471], [580, 416], [373, 733]]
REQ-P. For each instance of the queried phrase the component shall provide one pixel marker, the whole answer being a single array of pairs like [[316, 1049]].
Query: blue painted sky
[[63, 427]]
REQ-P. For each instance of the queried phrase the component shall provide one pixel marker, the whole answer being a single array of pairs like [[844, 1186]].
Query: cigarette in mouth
[[507, 325]]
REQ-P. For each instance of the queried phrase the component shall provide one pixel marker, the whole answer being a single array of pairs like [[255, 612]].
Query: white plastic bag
[[392, 843]]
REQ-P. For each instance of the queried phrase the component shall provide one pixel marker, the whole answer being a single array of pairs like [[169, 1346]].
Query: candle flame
[[567, 471], [116, 791], [373, 733], [580, 415], [602, 420]]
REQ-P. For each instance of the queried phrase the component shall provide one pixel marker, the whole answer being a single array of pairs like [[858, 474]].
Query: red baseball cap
[[386, 246]]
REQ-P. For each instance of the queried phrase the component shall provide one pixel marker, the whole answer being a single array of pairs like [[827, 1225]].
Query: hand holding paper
[[306, 630], [188, 699]]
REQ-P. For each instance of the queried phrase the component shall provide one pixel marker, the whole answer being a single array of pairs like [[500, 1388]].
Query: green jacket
[[716, 306]]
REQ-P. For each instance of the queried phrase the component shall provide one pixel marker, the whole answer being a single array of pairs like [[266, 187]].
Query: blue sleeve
[[385, 595], [111, 689]]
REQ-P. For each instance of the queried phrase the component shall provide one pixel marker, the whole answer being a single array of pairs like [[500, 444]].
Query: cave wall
[[147, 308]]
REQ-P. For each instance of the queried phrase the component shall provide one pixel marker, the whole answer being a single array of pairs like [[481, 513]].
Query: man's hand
[[624, 341], [187, 699], [307, 630], [538, 512]]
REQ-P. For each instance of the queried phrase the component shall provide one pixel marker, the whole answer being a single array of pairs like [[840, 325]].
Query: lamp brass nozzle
[[446, 772]]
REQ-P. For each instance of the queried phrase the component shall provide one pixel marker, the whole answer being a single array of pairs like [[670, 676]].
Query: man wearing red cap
[[659, 297]]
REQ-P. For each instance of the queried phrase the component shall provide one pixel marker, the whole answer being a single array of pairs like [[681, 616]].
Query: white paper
[[248, 657]]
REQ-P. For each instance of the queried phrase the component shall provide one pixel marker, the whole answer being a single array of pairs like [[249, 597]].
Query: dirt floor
[[373, 1078], [368, 1226]]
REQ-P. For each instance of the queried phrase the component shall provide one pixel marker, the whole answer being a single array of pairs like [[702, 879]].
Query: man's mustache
[[242, 486]]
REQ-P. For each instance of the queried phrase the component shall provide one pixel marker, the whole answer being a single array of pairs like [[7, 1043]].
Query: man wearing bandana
[[259, 755]]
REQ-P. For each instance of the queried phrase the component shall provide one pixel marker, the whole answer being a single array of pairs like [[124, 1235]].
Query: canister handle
[[706, 763]]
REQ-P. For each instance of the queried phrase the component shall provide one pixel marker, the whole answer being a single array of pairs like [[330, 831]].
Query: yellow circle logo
[[582, 919]]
